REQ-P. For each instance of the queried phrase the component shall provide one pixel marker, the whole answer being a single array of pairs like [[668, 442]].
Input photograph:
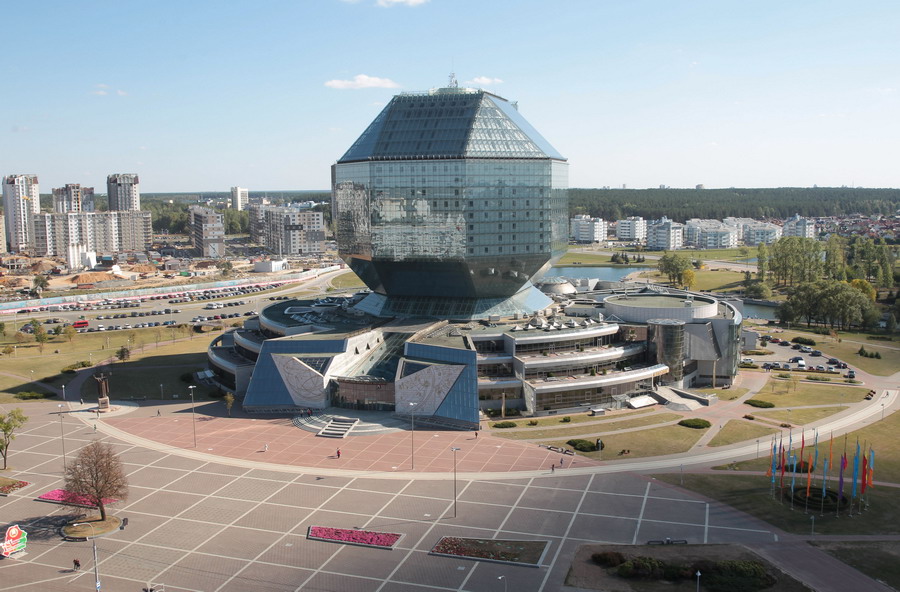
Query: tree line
[[793, 260], [781, 202]]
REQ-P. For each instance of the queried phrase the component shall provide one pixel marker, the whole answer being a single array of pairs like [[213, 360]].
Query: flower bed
[[61, 496], [8, 486], [529, 553], [350, 536]]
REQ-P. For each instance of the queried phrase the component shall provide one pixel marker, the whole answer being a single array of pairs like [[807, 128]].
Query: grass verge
[[739, 430], [879, 560], [587, 429], [652, 442]]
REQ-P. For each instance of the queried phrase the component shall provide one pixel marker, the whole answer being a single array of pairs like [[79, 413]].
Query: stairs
[[338, 427]]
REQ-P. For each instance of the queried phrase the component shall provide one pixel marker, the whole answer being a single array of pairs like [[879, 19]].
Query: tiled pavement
[[210, 525]]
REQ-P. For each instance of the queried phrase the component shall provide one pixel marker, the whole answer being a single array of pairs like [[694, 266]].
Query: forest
[[682, 204]]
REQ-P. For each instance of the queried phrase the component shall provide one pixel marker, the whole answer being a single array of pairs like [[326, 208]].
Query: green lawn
[[729, 394], [596, 259], [877, 559], [752, 494], [347, 280], [739, 430], [846, 350], [652, 442], [709, 254], [710, 280], [799, 416], [787, 393], [587, 431], [556, 420]]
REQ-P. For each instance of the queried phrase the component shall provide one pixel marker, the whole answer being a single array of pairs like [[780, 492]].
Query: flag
[[793, 471], [871, 475], [770, 472], [808, 474], [841, 477], [854, 489], [783, 463], [824, 477], [816, 458], [865, 473], [802, 445]]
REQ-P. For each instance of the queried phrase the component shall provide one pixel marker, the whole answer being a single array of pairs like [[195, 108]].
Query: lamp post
[[503, 578], [91, 358], [455, 450], [882, 412], [193, 423], [94, 543], [698, 580], [412, 436], [64, 392], [160, 391], [62, 435], [757, 448]]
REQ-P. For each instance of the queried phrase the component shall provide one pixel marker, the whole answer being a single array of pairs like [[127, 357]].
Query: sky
[[204, 95]]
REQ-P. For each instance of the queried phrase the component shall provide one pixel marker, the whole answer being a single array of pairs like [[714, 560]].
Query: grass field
[[710, 280], [556, 420], [729, 394], [596, 259], [846, 350], [877, 559], [347, 280], [652, 442], [786, 393], [710, 254], [738, 430], [752, 494], [589, 431], [799, 416]]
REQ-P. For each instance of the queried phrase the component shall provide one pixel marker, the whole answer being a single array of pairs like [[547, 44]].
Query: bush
[[71, 368], [750, 417], [505, 424], [747, 365], [695, 423], [818, 378], [532, 422], [31, 395], [608, 558], [803, 340], [566, 419], [785, 425], [642, 567], [738, 576], [582, 445], [782, 375], [760, 404]]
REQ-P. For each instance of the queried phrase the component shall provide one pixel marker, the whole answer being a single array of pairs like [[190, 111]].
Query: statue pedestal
[[103, 405]]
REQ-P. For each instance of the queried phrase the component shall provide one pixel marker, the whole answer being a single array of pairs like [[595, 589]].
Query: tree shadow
[[45, 528]]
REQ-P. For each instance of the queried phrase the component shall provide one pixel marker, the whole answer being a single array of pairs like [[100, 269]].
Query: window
[[499, 226], [471, 216], [499, 238], [471, 227]]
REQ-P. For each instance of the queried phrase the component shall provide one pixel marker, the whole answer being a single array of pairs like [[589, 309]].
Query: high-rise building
[[665, 235], [21, 202], [240, 197], [288, 230], [73, 199], [207, 231], [70, 235], [124, 191], [585, 229], [449, 203], [632, 228], [797, 226], [710, 234]]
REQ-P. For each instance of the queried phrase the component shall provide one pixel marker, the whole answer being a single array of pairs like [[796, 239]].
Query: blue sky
[[201, 95]]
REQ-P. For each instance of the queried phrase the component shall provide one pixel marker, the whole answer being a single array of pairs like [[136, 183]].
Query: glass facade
[[450, 195]]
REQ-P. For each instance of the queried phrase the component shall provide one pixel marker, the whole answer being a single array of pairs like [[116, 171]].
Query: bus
[[80, 324]]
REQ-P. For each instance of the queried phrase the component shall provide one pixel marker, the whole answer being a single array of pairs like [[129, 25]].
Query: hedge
[[803, 340], [695, 423], [759, 403], [505, 424], [582, 445]]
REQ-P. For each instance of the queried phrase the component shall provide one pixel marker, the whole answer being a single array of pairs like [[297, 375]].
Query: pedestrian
[[81, 401], [158, 413], [95, 428], [561, 460], [476, 434], [265, 447], [339, 453], [76, 565], [552, 467]]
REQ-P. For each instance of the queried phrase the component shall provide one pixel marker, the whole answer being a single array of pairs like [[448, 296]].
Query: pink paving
[[287, 445]]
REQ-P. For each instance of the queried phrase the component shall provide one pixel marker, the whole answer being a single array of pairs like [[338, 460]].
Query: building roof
[[449, 123]]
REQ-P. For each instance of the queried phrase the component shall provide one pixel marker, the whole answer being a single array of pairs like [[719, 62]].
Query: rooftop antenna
[[452, 83]]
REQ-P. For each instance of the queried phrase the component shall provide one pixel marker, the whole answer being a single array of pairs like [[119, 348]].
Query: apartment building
[[124, 191], [207, 231], [633, 228], [288, 230], [584, 229], [240, 197], [665, 235], [21, 202]]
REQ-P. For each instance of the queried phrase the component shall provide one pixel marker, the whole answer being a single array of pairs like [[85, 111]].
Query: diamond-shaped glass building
[[448, 204]]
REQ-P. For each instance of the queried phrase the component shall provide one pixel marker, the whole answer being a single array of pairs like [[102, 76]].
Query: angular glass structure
[[448, 204]]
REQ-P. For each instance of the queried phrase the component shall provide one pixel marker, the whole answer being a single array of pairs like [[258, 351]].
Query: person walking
[[561, 460], [552, 467], [76, 565], [339, 453], [158, 413], [81, 401], [265, 447]]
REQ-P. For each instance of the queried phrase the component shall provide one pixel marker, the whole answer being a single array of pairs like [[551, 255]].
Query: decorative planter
[[351, 536], [527, 553], [14, 486], [61, 496]]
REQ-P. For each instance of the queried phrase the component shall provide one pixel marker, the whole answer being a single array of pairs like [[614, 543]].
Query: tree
[[70, 332], [864, 287], [97, 474], [688, 279], [229, 401], [762, 262], [9, 423], [225, 267], [39, 283], [40, 336], [9, 350], [123, 353], [3, 329]]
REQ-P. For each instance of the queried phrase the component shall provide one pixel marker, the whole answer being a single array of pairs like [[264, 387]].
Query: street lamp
[[455, 450], [160, 392], [64, 392], [62, 435], [193, 423], [503, 578], [757, 448], [91, 358], [698, 580], [412, 436], [94, 542], [882, 412]]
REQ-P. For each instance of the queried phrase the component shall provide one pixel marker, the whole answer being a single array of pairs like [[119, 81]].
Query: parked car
[[834, 361], [816, 352], [851, 374]]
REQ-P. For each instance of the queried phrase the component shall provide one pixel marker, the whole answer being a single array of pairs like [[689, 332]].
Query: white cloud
[[121, 93], [362, 81], [101, 86], [99, 93], [484, 80], [19, 129], [389, 3]]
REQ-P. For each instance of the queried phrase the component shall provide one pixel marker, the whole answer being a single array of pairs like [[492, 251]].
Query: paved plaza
[[229, 515]]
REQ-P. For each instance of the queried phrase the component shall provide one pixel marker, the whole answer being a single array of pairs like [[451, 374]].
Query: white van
[[801, 365]]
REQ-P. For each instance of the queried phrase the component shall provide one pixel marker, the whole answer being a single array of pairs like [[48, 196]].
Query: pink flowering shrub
[[11, 487], [356, 537], [61, 496]]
